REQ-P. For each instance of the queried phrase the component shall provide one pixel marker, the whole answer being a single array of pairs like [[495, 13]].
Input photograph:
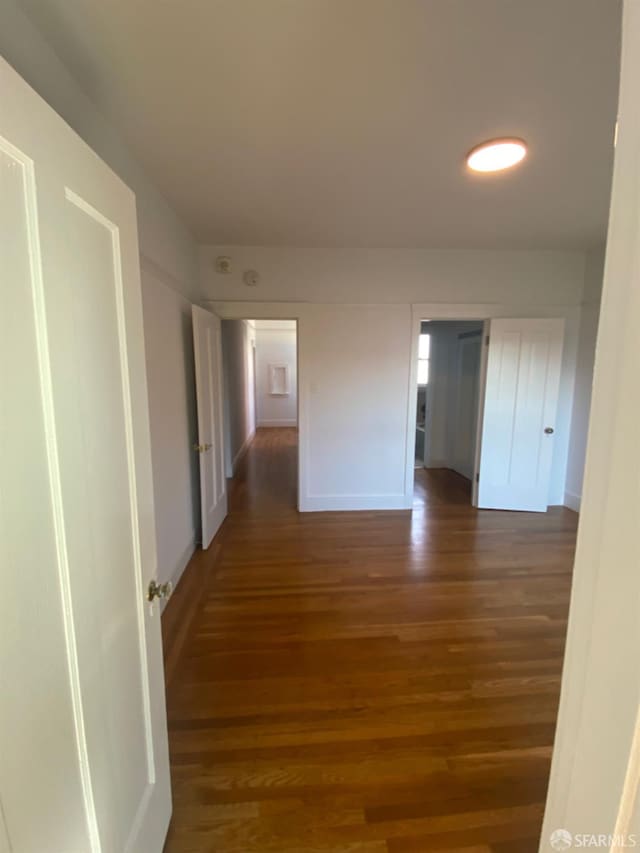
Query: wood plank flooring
[[366, 682]]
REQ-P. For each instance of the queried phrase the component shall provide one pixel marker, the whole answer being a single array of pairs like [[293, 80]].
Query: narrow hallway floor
[[370, 682]]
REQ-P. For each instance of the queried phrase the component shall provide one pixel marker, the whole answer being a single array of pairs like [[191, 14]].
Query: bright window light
[[424, 348]]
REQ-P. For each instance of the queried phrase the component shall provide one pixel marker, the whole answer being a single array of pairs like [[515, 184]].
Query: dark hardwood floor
[[365, 682]]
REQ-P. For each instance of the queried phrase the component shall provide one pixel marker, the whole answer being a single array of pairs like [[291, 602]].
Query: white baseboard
[[178, 570], [279, 423], [572, 501], [352, 503], [242, 451]]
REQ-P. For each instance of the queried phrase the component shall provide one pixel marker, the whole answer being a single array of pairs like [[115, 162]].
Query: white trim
[[255, 310], [353, 503], [572, 501], [282, 422]]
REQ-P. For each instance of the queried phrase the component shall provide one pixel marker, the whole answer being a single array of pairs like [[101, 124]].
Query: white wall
[[354, 405], [375, 276], [357, 312], [589, 314], [169, 263], [276, 344], [238, 337]]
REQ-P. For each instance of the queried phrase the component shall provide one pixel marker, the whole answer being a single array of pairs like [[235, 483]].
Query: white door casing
[[594, 787], [207, 343], [83, 739], [521, 397]]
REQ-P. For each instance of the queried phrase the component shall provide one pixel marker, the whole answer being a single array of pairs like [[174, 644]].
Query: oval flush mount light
[[496, 154]]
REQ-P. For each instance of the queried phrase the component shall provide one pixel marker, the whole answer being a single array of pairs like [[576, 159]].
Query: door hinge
[[478, 477], [486, 341]]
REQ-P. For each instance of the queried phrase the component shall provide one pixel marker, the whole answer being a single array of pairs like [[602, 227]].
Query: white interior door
[[521, 397], [207, 342], [83, 740]]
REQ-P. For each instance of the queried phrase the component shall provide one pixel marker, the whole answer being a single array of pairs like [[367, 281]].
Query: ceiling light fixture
[[496, 154]]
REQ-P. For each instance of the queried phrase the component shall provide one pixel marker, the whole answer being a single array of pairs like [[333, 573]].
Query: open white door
[[521, 397], [207, 343], [83, 739]]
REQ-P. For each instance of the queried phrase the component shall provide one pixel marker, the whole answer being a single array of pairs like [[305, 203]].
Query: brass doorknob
[[159, 590]]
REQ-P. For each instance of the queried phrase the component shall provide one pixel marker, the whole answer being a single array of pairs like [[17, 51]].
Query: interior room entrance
[[486, 407], [261, 407], [448, 395]]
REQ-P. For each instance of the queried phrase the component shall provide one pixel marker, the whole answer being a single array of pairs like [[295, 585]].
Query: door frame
[[269, 311], [481, 386], [480, 312]]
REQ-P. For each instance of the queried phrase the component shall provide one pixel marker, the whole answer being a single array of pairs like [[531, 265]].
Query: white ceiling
[[345, 122]]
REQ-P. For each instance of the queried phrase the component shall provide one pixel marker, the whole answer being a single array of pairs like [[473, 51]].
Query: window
[[424, 347]]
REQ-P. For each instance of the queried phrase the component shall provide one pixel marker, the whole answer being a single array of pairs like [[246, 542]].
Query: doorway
[[448, 399], [260, 367], [486, 406]]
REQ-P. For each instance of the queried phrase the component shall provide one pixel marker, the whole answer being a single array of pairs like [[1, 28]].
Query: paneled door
[[83, 738], [209, 445], [521, 398]]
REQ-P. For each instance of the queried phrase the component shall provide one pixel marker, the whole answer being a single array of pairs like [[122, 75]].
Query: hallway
[[371, 682]]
